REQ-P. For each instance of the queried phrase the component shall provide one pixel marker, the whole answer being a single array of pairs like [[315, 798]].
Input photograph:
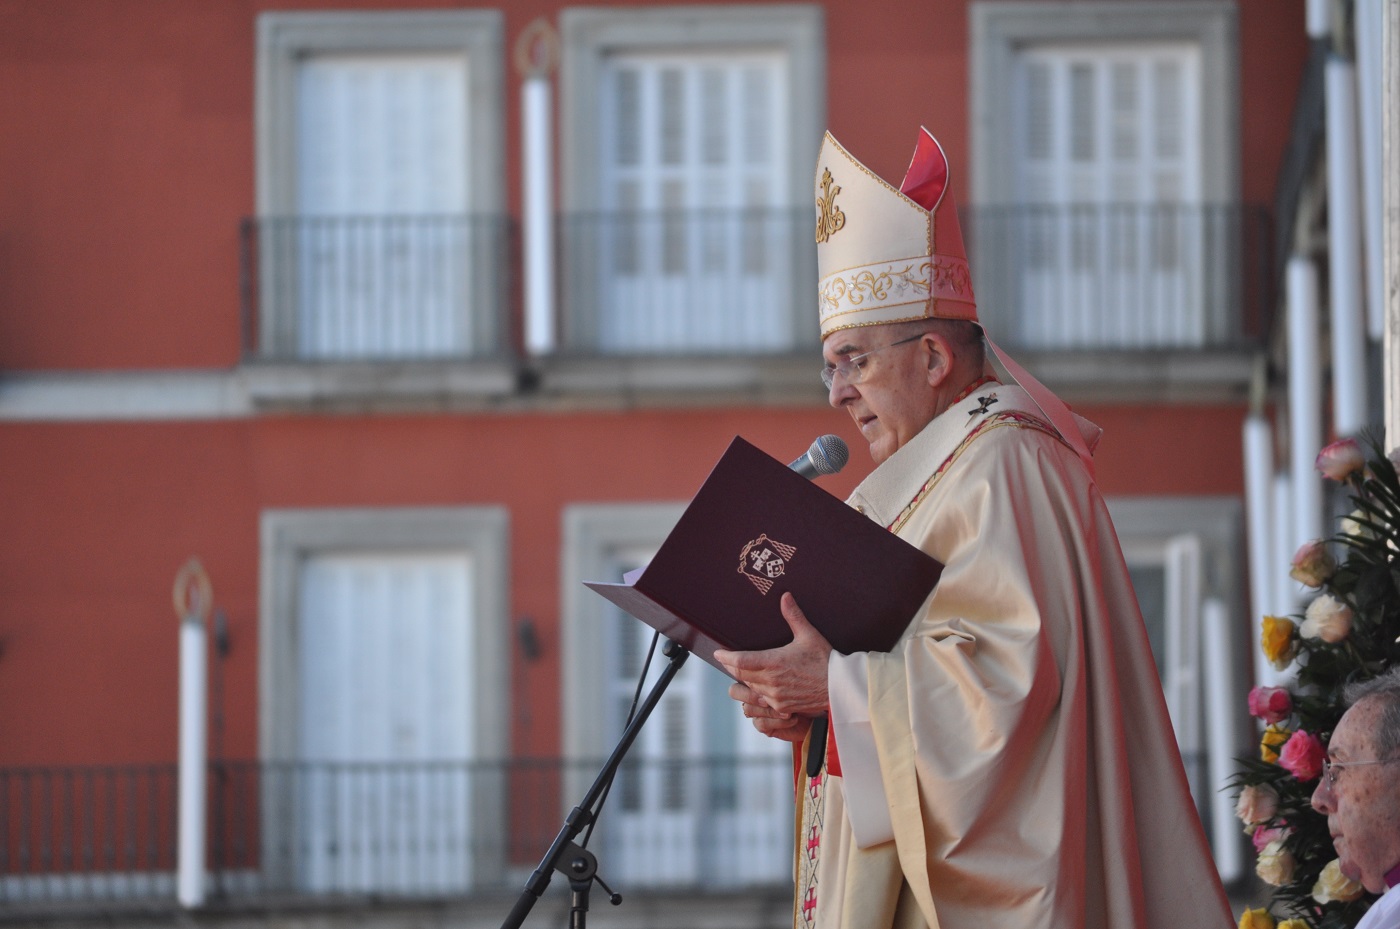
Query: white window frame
[[289, 536], [593, 533], [589, 34], [594, 536], [283, 39], [1000, 29]]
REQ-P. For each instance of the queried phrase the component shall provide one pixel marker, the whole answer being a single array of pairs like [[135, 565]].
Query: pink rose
[[1302, 756], [1263, 837], [1271, 704], [1313, 564], [1340, 460]]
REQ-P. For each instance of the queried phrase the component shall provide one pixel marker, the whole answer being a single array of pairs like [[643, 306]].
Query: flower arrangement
[[1347, 633]]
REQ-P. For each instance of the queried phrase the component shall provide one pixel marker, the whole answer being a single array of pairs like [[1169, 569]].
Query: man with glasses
[[1359, 792], [1010, 763]]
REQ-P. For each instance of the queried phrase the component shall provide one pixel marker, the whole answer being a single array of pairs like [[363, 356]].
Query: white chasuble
[[1010, 763]]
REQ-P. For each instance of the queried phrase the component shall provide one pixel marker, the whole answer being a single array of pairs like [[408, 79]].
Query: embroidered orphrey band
[[1008, 418]]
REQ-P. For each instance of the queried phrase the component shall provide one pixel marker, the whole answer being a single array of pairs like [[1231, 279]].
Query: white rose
[[1354, 524], [1332, 885], [1275, 864], [1328, 619]]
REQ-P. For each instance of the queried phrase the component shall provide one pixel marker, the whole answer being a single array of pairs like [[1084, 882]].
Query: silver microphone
[[827, 455]]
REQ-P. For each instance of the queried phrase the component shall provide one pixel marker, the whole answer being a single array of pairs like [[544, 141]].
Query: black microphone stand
[[581, 866]]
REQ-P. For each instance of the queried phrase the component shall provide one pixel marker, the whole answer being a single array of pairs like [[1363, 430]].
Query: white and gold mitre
[[887, 255]]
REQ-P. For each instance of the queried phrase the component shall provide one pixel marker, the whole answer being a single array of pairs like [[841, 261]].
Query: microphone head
[[828, 454]]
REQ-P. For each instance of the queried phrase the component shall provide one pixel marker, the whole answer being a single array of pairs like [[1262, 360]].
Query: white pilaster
[[1344, 252]]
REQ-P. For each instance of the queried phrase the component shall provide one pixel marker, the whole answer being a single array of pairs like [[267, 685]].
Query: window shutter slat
[[1167, 85], [757, 107], [627, 102], [671, 122], [713, 125], [1039, 115], [1082, 115]]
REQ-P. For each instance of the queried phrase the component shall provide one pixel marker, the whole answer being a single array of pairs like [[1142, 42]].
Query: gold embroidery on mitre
[[831, 220], [891, 286], [901, 283], [951, 275]]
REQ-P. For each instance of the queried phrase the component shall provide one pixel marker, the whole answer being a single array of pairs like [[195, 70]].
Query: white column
[[1344, 251], [1390, 157], [538, 163], [1222, 710], [1318, 18], [536, 53], [1370, 43], [189, 882], [1263, 525], [1286, 599], [1304, 403]]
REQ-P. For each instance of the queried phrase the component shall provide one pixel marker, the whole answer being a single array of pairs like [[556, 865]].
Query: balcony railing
[[688, 282], [1122, 277], [106, 836], [375, 288]]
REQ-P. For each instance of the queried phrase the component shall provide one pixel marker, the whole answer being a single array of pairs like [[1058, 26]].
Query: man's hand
[[781, 688], [766, 719]]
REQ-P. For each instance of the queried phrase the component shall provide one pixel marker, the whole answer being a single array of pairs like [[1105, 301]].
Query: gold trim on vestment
[[1007, 418]]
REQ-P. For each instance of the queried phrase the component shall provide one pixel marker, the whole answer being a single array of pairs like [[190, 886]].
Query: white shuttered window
[[386, 722], [698, 238], [1108, 165], [702, 798], [382, 163]]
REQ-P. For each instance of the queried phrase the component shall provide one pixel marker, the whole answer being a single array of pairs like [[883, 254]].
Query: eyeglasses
[[851, 370], [1329, 767]]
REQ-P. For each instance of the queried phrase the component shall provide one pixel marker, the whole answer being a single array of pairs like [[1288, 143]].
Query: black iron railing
[[1122, 277], [413, 830], [1117, 277], [688, 282], [87, 832], [377, 288]]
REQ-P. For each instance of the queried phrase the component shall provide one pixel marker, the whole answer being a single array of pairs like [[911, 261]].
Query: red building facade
[[213, 345]]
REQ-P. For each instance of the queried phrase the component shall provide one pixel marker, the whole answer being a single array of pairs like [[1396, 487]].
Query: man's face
[[1363, 809], [892, 401]]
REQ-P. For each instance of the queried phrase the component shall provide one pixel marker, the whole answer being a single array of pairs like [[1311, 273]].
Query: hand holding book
[[782, 688]]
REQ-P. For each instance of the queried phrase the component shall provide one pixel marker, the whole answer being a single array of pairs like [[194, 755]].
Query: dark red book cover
[[756, 529]]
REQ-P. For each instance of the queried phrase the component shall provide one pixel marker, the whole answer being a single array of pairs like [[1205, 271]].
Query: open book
[[756, 529]]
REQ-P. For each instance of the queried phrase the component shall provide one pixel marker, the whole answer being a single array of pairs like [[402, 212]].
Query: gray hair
[[964, 335], [1385, 692]]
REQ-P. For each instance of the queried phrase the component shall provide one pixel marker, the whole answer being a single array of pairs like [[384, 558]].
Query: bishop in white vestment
[[1010, 763]]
